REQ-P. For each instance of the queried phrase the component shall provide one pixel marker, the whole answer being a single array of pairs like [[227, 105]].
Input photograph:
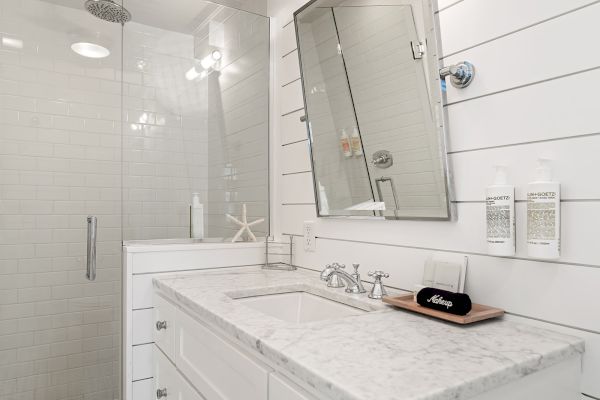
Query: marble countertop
[[385, 353]]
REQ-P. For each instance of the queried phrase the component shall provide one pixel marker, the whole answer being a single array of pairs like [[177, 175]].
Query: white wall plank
[[298, 188], [289, 68], [291, 97], [485, 20], [292, 129], [554, 109], [580, 230], [575, 173], [293, 216], [295, 158], [510, 62], [523, 287], [446, 3], [287, 40]]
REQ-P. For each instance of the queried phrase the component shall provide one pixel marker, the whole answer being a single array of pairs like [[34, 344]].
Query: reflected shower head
[[108, 10]]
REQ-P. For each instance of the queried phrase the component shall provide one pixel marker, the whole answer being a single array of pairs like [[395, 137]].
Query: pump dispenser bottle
[[345, 143], [197, 217], [543, 214], [355, 143], [500, 213]]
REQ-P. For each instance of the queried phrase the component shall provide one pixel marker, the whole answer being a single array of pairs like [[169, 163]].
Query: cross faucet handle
[[378, 290], [338, 266], [378, 275]]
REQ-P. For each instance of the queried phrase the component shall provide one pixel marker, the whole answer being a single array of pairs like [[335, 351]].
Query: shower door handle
[[92, 228]]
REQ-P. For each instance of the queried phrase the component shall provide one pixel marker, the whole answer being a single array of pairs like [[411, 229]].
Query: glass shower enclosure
[[121, 123]]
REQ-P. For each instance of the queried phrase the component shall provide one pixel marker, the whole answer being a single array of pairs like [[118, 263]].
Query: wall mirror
[[374, 115]]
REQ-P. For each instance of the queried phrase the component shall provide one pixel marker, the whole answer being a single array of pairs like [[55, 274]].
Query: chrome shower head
[[108, 10]]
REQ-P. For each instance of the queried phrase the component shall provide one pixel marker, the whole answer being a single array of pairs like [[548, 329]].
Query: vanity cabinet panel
[[217, 369], [143, 326], [141, 291], [142, 362], [168, 382], [164, 325], [281, 389], [143, 390]]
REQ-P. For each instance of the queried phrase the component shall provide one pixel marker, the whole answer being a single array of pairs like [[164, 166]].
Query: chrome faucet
[[336, 276]]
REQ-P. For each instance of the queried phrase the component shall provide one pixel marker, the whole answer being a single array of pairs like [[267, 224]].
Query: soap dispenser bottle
[[345, 143], [500, 213], [355, 142], [197, 217], [543, 214]]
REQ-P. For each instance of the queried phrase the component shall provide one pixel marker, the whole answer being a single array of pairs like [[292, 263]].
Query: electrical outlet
[[310, 243]]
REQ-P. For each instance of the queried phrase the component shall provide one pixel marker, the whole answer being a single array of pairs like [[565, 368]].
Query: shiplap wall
[[534, 96]]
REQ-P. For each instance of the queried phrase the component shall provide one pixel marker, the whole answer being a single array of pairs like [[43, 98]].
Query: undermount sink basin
[[299, 307]]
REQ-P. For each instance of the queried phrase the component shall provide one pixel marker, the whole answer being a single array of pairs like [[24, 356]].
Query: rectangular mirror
[[374, 115]]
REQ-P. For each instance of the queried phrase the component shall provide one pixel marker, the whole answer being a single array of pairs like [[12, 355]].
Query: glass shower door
[[60, 162]]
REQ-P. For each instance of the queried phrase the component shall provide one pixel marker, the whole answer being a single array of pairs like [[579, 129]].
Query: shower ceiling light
[[12, 43], [209, 61], [90, 50], [192, 74]]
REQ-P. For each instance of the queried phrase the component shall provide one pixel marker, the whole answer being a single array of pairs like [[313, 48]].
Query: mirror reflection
[[373, 103]]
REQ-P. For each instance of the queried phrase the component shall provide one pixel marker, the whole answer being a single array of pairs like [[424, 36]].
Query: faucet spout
[[351, 283], [326, 273], [335, 277]]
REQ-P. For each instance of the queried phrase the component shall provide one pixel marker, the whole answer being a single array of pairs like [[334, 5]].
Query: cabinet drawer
[[217, 369], [281, 389], [164, 336], [169, 382]]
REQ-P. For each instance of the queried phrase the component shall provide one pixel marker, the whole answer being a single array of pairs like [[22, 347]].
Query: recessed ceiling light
[[90, 50]]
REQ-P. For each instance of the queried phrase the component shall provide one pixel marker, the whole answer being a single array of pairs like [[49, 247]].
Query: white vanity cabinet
[[281, 389], [169, 383], [164, 326], [193, 362], [145, 260], [218, 369]]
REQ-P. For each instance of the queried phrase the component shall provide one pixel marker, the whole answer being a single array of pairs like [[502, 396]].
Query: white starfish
[[244, 225]]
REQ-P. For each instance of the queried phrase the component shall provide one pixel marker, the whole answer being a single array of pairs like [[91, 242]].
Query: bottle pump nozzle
[[543, 170], [501, 175]]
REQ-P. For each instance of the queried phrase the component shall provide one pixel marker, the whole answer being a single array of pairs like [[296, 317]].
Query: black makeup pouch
[[442, 300]]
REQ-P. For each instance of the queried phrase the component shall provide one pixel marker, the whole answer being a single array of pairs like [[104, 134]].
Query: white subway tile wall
[[81, 136], [548, 109], [208, 135], [60, 160]]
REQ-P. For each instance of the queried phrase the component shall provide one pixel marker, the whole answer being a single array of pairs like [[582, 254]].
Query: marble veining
[[401, 355]]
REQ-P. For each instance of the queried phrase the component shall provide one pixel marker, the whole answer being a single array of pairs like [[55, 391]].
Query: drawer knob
[[160, 393], [160, 325]]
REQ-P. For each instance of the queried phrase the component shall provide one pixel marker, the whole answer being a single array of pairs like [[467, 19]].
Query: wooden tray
[[478, 312]]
